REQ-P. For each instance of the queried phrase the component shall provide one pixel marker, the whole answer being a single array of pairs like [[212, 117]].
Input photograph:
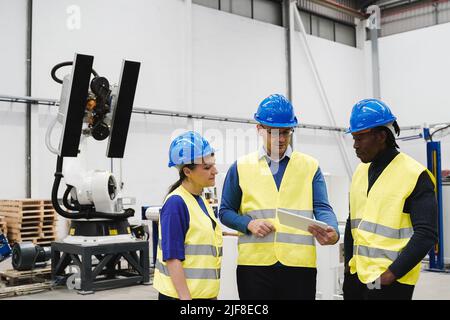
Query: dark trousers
[[354, 289], [276, 282], [164, 297]]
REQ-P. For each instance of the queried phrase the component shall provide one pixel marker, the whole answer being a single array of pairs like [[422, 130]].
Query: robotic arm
[[91, 108]]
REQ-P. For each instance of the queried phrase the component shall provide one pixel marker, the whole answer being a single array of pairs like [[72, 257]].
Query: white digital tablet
[[296, 221]]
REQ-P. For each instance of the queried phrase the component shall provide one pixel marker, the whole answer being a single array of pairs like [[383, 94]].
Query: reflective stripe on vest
[[375, 252], [200, 249], [354, 223], [260, 200], [295, 238], [403, 233], [191, 273], [250, 238], [262, 214], [271, 213]]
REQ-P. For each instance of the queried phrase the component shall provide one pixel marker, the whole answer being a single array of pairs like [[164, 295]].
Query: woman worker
[[190, 238]]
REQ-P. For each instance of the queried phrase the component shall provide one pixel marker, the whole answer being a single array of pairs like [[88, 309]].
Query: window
[[269, 11], [345, 34], [329, 29], [326, 29], [306, 19], [225, 5], [242, 8], [208, 3]]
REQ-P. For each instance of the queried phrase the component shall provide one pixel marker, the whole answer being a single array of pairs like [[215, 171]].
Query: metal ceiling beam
[[341, 8], [384, 5], [365, 3]]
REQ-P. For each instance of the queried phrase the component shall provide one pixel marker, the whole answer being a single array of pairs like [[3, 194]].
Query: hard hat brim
[[380, 124], [172, 164], [277, 124]]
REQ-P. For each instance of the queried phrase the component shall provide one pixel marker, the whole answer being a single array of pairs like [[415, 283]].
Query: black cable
[[88, 212], [64, 64], [66, 199], [55, 203], [431, 135]]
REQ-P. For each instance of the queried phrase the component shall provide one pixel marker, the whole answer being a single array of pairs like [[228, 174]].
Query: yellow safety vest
[[203, 253], [380, 228], [261, 199]]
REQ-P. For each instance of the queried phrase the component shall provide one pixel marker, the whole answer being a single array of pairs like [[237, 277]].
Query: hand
[[260, 228], [387, 278], [326, 236]]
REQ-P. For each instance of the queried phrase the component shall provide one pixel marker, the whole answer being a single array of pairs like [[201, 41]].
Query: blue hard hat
[[188, 147], [276, 111], [369, 113]]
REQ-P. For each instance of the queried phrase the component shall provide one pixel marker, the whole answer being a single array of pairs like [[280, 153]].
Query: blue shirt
[[174, 221], [232, 195]]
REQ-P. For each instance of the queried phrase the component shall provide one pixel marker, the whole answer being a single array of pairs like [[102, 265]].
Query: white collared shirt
[[263, 153]]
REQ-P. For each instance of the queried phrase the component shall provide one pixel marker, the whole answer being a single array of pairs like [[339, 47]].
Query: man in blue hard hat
[[276, 261], [393, 210]]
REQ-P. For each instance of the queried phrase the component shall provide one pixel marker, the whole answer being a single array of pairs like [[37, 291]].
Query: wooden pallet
[[7, 292], [3, 225], [14, 226], [33, 234], [13, 277], [29, 220], [35, 240]]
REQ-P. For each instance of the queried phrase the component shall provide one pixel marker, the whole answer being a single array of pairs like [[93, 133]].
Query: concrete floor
[[138, 292], [431, 286]]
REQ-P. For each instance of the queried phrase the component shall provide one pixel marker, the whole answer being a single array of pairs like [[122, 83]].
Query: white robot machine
[[99, 229], [92, 199]]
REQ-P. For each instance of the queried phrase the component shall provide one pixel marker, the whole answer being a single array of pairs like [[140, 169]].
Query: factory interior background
[[205, 66]]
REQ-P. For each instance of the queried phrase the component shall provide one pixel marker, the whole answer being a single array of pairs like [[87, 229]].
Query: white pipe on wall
[[323, 95], [188, 55]]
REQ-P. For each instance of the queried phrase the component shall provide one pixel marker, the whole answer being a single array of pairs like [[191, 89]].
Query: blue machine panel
[[5, 249]]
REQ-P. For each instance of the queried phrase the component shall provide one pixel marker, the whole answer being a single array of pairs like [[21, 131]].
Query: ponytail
[[175, 185], [182, 177]]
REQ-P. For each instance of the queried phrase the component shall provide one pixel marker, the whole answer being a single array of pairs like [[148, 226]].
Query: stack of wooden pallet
[[29, 220], [24, 282], [3, 226]]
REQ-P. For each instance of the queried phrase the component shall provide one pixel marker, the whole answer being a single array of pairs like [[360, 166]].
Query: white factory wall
[[339, 68], [235, 63], [12, 82], [414, 69]]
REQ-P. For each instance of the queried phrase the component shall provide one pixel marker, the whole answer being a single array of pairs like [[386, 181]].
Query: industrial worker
[[393, 210], [190, 238], [276, 261]]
